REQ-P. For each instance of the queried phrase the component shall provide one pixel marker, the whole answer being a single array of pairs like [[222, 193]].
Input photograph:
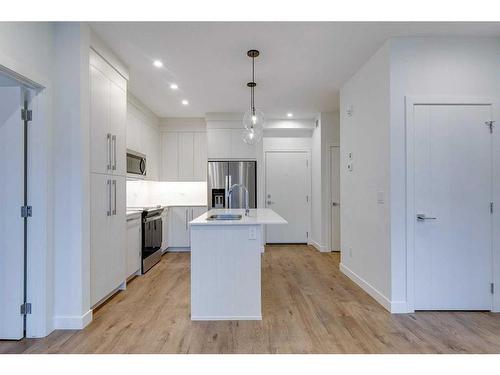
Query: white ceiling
[[300, 70]]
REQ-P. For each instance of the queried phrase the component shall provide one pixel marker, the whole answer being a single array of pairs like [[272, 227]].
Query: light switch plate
[[380, 197], [252, 233]]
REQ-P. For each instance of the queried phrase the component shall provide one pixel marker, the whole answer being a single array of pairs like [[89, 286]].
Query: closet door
[[100, 136], [186, 156]]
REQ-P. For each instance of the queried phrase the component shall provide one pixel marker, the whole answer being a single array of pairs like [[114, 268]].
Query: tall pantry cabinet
[[108, 111]]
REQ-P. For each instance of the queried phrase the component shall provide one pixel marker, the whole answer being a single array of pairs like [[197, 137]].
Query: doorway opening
[[15, 209], [335, 198]]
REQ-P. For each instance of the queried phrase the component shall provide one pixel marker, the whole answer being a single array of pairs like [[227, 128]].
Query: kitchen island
[[226, 247]]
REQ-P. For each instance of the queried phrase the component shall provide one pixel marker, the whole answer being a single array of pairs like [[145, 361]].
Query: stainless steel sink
[[225, 217]]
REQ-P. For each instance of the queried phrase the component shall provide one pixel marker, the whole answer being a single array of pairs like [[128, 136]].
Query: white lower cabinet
[[134, 244], [108, 235], [178, 224]]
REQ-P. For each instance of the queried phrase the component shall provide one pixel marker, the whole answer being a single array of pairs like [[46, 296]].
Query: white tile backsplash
[[150, 193]]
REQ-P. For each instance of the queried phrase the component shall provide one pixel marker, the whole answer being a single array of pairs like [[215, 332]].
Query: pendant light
[[253, 119]]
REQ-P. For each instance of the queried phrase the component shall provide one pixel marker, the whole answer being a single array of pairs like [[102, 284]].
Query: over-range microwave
[[136, 164]]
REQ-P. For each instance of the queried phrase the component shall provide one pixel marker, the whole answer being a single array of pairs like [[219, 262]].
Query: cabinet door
[[118, 128], [118, 232], [100, 256], [197, 211], [186, 156], [200, 156], [100, 137], [134, 244], [178, 226], [169, 157], [219, 143]]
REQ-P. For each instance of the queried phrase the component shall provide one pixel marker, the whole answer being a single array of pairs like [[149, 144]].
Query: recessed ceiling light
[[157, 63], [185, 102], [174, 86], [289, 115]]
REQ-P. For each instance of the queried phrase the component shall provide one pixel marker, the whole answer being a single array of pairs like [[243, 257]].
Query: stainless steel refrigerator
[[224, 174]]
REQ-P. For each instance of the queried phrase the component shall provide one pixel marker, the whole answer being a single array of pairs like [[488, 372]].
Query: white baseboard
[[177, 250], [317, 246], [245, 317], [367, 287], [73, 322]]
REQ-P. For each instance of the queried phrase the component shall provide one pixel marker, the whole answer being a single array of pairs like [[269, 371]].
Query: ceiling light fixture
[[253, 119], [174, 86], [185, 102], [157, 63], [289, 115]]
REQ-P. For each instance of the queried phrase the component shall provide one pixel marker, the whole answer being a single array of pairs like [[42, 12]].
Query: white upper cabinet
[[200, 156], [118, 129], [108, 111], [228, 144], [184, 156], [100, 136], [143, 135], [170, 164]]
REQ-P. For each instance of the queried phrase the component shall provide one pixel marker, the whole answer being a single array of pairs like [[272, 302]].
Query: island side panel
[[225, 272]]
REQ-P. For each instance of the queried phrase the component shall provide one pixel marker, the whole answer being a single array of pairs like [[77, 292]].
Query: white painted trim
[[205, 318], [73, 322], [320, 248], [309, 180], [329, 176], [410, 102], [177, 250], [367, 287]]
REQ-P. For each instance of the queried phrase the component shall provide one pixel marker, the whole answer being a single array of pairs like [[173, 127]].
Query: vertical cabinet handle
[[186, 218], [113, 139], [108, 213], [108, 140], [114, 209]]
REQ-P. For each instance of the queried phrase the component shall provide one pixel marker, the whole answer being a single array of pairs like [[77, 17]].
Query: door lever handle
[[422, 217]]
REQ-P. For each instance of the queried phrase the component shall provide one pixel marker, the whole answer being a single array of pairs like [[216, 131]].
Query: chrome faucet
[[247, 208]]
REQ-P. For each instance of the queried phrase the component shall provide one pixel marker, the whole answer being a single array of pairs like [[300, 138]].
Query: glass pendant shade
[[254, 119], [251, 136]]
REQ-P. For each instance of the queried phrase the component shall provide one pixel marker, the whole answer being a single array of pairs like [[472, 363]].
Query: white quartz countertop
[[256, 216]]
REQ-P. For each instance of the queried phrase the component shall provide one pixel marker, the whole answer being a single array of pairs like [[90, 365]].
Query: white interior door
[[453, 189], [287, 193], [335, 197], [11, 223]]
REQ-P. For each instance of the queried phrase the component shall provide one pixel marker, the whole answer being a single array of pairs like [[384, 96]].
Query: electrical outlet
[[252, 233], [350, 167]]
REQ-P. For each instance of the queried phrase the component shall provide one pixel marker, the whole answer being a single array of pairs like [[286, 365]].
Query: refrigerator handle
[[225, 190]]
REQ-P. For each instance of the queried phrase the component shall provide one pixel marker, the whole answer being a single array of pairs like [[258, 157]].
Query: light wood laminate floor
[[309, 306]]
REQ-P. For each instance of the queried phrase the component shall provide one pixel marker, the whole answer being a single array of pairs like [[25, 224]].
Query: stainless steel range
[[152, 225]]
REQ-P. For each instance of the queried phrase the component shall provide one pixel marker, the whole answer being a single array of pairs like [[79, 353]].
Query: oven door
[[136, 164], [151, 242]]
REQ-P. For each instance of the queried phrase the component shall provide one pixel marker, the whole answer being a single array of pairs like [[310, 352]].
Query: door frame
[[330, 147], [307, 152], [410, 102], [38, 323]]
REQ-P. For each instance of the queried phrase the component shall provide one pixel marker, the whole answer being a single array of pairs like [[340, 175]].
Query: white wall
[[143, 135], [444, 67], [365, 224], [71, 176]]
